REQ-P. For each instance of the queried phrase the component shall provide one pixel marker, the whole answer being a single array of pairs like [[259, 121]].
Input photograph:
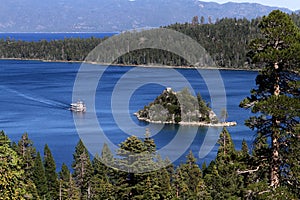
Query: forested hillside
[[227, 41]]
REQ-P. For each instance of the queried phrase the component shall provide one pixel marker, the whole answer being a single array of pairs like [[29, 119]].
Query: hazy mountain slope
[[114, 15]]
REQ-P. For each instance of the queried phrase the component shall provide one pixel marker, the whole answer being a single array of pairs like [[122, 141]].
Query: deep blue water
[[35, 96], [51, 36]]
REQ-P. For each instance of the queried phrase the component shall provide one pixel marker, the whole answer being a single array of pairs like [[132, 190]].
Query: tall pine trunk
[[275, 164], [275, 160]]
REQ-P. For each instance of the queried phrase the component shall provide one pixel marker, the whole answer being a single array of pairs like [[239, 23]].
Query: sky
[[290, 4]]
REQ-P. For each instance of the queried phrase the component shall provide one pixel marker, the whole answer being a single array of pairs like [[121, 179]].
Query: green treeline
[[227, 42], [25, 174], [67, 49]]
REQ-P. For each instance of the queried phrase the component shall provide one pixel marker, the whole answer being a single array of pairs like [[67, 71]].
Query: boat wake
[[38, 99]]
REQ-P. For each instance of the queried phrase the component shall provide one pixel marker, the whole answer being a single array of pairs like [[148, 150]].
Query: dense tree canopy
[[50, 173], [11, 172]]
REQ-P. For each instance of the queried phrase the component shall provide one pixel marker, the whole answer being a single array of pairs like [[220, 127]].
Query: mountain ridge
[[116, 15]]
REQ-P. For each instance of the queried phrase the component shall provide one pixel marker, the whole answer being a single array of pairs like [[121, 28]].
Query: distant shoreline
[[59, 32], [132, 65]]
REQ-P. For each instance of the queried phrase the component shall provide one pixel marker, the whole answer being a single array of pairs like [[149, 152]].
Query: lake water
[[35, 96], [51, 36]]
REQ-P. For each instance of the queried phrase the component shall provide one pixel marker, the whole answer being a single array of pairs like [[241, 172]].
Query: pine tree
[[275, 99], [31, 189], [50, 173], [162, 179], [67, 188], [39, 177], [137, 155], [132, 152], [149, 142], [293, 171], [193, 172], [181, 189], [256, 174], [192, 176], [213, 181], [101, 188], [107, 157], [141, 167], [202, 191], [223, 177], [245, 149], [226, 149], [27, 152], [150, 191], [203, 167], [83, 170], [11, 176], [131, 145], [64, 177]]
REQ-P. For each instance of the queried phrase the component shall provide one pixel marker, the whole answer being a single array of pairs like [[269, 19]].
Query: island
[[182, 108]]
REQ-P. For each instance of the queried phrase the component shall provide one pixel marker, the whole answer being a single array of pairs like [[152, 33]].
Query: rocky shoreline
[[219, 124]]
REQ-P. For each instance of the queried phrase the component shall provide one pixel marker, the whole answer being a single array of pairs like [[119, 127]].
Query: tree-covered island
[[182, 108]]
